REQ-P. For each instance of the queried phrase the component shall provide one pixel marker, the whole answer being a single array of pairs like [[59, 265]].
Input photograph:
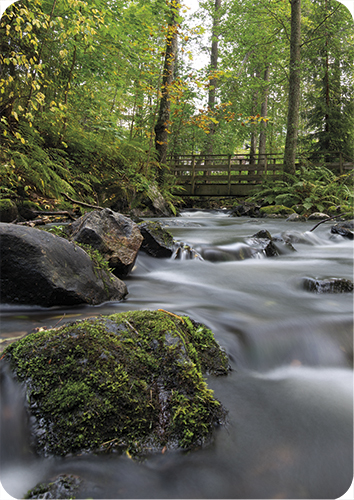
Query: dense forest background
[[96, 95]]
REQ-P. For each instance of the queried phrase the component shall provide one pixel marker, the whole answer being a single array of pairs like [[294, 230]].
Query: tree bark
[[213, 82], [294, 88], [162, 124], [264, 111], [253, 138]]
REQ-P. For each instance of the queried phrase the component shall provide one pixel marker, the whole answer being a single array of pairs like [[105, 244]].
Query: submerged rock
[[328, 285], [157, 241], [115, 236], [265, 243], [345, 229], [43, 269], [130, 382], [63, 486]]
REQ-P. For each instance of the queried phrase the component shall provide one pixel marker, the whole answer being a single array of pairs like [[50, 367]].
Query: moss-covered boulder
[[8, 210], [276, 210], [130, 381]]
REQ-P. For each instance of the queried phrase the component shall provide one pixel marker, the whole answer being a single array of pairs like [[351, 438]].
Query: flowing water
[[289, 395]]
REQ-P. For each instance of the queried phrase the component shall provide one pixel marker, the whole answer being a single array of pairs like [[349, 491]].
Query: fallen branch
[[82, 203], [329, 218], [61, 212]]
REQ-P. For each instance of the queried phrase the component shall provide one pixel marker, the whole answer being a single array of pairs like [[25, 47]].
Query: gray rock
[[328, 285], [296, 218], [345, 229], [157, 241], [318, 216], [63, 486], [115, 236], [43, 269]]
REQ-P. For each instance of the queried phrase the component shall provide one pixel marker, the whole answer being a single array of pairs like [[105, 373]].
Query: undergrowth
[[310, 189]]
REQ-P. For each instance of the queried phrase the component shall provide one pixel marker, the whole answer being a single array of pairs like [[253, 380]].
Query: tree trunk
[[264, 111], [162, 124], [253, 139], [294, 88], [213, 82]]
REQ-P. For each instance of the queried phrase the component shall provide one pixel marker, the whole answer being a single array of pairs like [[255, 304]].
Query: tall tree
[[162, 124], [213, 78], [294, 88]]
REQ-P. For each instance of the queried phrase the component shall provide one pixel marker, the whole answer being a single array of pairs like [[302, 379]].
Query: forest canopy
[[96, 95]]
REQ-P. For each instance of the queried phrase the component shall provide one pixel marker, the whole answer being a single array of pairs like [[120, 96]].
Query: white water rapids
[[289, 396]]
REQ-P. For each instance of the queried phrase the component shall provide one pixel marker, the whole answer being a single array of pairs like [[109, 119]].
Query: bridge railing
[[226, 171]]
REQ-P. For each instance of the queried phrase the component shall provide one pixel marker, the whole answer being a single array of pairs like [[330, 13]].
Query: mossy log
[[129, 382]]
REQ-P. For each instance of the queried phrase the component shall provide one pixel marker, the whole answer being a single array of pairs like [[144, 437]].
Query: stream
[[289, 394]]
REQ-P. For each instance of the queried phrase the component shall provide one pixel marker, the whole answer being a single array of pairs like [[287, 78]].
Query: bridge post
[[229, 175], [193, 175]]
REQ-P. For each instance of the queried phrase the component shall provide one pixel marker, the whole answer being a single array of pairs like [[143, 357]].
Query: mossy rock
[[276, 210], [130, 381], [8, 210], [63, 486], [157, 241]]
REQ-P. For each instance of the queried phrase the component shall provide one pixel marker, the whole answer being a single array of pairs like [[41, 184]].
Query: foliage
[[311, 189], [81, 90]]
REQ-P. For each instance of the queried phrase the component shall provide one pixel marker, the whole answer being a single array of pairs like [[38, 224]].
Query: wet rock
[[115, 236], [43, 269], [269, 246], [64, 486], [328, 285], [130, 382], [318, 216], [245, 210], [157, 241], [183, 251], [263, 234], [8, 210], [345, 229], [237, 251], [296, 218]]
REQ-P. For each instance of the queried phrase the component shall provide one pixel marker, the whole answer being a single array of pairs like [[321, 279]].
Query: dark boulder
[[269, 246], [246, 210], [115, 236], [130, 382], [345, 229], [157, 241], [327, 285], [8, 210], [237, 251], [43, 269]]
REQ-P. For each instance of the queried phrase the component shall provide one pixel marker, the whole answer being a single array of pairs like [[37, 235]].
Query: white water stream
[[289, 396]]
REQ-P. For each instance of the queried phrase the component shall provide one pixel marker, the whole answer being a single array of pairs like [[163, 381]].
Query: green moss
[[277, 210], [130, 381]]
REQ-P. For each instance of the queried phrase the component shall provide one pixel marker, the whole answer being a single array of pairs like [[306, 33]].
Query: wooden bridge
[[239, 175]]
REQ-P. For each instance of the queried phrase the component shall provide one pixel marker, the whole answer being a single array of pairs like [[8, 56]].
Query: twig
[[171, 314], [131, 326], [57, 323], [82, 203], [325, 220]]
